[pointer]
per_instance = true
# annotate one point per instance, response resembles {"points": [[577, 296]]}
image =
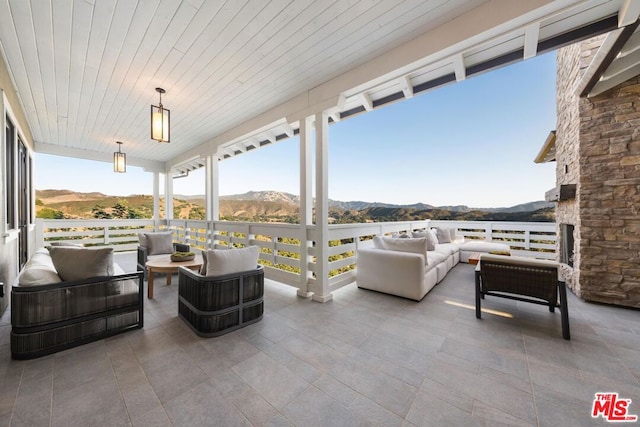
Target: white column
{"points": [[212, 188], [306, 206], [321, 288], [212, 196], [168, 195], [156, 201]]}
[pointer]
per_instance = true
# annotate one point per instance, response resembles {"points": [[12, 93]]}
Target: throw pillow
{"points": [[432, 240], [228, 261], [203, 268], [378, 243], [444, 236], [160, 243], [142, 239], [39, 270], [452, 234], [417, 246], [82, 263]]}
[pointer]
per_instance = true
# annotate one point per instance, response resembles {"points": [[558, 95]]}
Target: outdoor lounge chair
{"points": [[522, 279]]}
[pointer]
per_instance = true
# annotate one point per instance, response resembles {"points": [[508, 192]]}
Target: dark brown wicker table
{"points": [[165, 265]]}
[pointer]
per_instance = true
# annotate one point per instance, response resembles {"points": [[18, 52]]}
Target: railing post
{"points": [[489, 232], [306, 208], [527, 239], [106, 234], [39, 232]]}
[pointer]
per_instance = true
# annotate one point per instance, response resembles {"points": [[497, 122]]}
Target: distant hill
{"points": [[271, 206]]}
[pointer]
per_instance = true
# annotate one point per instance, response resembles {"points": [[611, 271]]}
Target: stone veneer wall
{"points": [[598, 140]]}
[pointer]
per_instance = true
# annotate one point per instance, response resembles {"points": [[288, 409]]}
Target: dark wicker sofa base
{"points": [[50, 318], [214, 306]]}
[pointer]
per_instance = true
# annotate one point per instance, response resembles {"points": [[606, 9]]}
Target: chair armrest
{"points": [[181, 247], [142, 255]]}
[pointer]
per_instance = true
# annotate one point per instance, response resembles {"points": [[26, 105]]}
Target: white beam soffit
{"points": [[548, 151], [86, 72]]}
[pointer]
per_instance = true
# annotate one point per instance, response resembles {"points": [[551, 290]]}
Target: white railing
{"points": [[283, 246]]}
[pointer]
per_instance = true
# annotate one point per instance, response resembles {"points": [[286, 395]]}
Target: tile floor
{"points": [[362, 359]]}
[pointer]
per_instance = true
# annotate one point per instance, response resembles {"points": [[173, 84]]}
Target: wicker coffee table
{"points": [[165, 265]]}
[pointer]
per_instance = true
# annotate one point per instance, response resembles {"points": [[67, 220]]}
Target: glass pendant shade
{"points": [[160, 119], [119, 160]]}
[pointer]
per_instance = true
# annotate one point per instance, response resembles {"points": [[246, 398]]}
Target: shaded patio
{"points": [[364, 358]]}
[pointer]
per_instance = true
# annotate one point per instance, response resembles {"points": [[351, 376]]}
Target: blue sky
{"points": [[470, 143]]}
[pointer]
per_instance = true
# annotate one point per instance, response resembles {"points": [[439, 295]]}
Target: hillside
{"points": [[270, 206]]}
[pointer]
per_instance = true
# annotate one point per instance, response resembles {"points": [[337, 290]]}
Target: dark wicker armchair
{"points": [[522, 279], [216, 305]]}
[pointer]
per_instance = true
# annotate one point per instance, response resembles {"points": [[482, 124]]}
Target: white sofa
{"points": [[406, 274]]}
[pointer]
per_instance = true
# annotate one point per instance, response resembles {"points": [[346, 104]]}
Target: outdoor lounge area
{"points": [[319, 334], [364, 358]]}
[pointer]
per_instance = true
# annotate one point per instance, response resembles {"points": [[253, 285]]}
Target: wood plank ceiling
{"points": [[86, 70]]}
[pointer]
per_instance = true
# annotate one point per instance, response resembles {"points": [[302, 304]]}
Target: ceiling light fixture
{"points": [[119, 160], [160, 120]]}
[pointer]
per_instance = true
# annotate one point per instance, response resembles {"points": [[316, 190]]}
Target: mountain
{"points": [[271, 206]]}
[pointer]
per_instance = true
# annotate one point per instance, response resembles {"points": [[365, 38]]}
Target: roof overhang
{"points": [[548, 151]]}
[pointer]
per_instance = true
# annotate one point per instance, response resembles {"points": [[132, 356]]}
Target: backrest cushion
{"points": [[418, 246], [229, 261], [432, 240], [203, 268], [159, 243], [444, 235], [39, 270], [82, 263], [75, 245], [378, 243], [452, 234], [142, 239]]}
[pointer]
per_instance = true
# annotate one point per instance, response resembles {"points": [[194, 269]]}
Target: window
{"points": [[10, 175]]}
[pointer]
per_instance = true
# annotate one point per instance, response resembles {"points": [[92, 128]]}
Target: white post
{"points": [[306, 206], [321, 288], [212, 188], [156, 201], [168, 196]]}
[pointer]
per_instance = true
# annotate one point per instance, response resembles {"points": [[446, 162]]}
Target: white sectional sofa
{"points": [[400, 266]]}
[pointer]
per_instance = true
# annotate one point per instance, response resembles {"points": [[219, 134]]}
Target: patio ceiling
{"points": [[241, 74]]}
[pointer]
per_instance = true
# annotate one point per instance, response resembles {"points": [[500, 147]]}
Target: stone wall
{"points": [[569, 73], [598, 148], [610, 189]]}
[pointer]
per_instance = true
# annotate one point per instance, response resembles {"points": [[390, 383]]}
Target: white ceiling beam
{"points": [[631, 46], [605, 85], [335, 116], [238, 147], [621, 65], [407, 87], [628, 13], [342, 99], [531, 37], [459, 67], [79, 153], [288, 130], [366, 101]]}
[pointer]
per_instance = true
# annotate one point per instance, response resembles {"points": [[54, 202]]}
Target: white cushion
{"points": [[229, 261], [159, 243], [142, 239], [39, 270], [417, 246], [436, 257], [378, 243], [484, 246], [432, 240], [447, 248], [82, 263]]}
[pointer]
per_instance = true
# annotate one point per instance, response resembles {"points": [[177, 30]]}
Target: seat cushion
{"points": [[435, 257], [447, 248]]}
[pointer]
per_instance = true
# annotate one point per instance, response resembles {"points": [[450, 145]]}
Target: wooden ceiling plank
{"points": [[17, 67], [62, 16]]}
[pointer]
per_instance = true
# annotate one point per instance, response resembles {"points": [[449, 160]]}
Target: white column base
{"points": [[322, 298], [304, 294]]}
